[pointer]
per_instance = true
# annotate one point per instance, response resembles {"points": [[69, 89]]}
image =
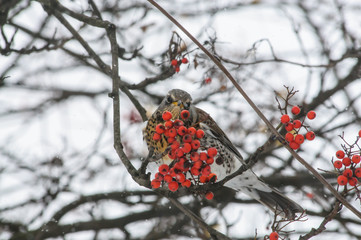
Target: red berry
{"points": [[207, 80], [295, 110], [166, 133], [179, 152], [337, 164], [163, 169], [289, 127], [182, 130], [172, 132], [180, 177], [356, 158], [294, 145], [172, 155], [187, 138], [159, 176], [177, 69], [156, 137], [209, 195], [346, 161], [311, 115], [289, 137], [347, 173], [196, 144], [210, 160], [168, 178], [175, 145], [174, 62], [181, 161], [342, 180], [160, 128], [359, 133], [172, 172], [186, 183], [310, 195], [178, 123], [358, 172], [173, 186], [285, 118], [340, 154], [168, 124], [167, 116], [297, 123], [179, 166], [203, 179], [185, 114], [212, 177], [352, 181], [195, 171], [184, 60], [192, 131], [212, 152], [310, 135], [203, 156], [299, 138], [170, 139], [155, 183], [206, 170], [200, 133], [198, 164], [194, 156], [273, 236], [187, 147], [187, 164]]}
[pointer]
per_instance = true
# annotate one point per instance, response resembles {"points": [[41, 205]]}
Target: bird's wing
{"points": [[207, 121], [247, 182]]}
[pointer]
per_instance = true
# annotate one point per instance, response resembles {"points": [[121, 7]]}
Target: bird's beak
{"points": [[179, 103]]}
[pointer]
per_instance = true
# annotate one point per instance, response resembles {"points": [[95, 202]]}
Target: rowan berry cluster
{"points": [[191, 162], [176, 63], [348, 164], [294, 126]]}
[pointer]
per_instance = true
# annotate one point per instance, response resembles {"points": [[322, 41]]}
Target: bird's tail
{"points": [[279, 203], [254, 187]]}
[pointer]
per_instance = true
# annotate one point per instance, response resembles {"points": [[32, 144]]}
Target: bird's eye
{"points": [[187, 105], [169, 99]]}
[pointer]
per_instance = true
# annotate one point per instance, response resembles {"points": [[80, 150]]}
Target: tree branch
{"points": [[337, 207]]}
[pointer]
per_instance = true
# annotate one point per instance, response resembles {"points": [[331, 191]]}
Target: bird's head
{"points": [[175, 101]]}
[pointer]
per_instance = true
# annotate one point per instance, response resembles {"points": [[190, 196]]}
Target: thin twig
{"points": [[337, 207], [111, 31]]}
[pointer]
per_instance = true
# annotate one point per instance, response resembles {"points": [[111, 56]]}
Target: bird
{"points": [[229, 158]]}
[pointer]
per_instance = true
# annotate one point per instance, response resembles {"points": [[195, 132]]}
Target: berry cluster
{"points": [[176, 63], [293, 127], [348, 160], [191, 162]]}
